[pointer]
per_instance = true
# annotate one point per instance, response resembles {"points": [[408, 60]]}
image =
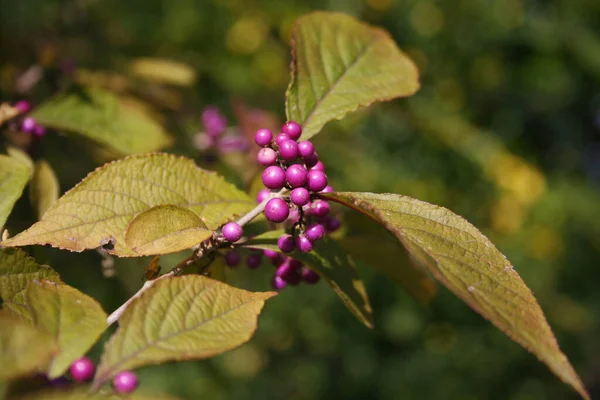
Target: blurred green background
{"points": [[505, 131]]}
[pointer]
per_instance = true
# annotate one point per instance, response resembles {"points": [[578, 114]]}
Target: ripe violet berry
{"points": [[332, 224], [253, 261], [304, 244], [263, 137], [328, 189], [311, 161], [300, 196], [288, 150], [293, 129], [286, 243], [22, 106], [296, 175], [277, 210], [278, 283], [28, 125], [273, 177], [320, 208], [266, 156], [316, 181], [262, 195], [309, 275], [319, 166], [232, 232], [39, 131], [306, 149], [125, 382], [82, 369], [213, 121], [315, 231], [282, 137], [233, 258]]}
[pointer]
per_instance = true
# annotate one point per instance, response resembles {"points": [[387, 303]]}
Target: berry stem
{"points": [[259, 208]]}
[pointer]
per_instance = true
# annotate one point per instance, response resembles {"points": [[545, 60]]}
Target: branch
{"points": [[198, 253]]}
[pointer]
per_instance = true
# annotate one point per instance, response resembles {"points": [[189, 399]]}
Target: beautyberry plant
{"points": [[152, 204]]}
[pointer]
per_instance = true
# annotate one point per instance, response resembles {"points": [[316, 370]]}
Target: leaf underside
{"points": [[98, 210], [468, 264], [14, 175], [181, 318], [340, 64]]}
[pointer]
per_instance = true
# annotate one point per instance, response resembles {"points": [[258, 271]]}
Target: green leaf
{"points": [[99, 209], [340, 64], [44, 190], [162, 70], [336, 266], [468, 264], [391, 260], [182, 318], [103, 117], [74, 319], [14, 175], [17, 270], [23, 349], [165, 229]]}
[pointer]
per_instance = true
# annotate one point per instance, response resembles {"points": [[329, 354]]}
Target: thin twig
{"points": [[199, 252]]}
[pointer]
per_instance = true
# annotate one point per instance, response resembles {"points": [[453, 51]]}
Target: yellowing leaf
{"points": [[163, 71], [44, 190], [340, 64], [336, 266], [74, 319], [390, 259], [165, 229], [181, 318], [99, 209], [14, 175], [103, 117], [468, 264], [23, 349], [17, 270]]}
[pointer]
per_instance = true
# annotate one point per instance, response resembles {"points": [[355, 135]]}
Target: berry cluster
{"points": [[82, 370], [28, 124], [216, 135], [294, 166]]}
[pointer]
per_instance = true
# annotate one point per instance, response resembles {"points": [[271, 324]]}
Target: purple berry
{"points": [[316, 180], [288, 150], [309, 275], [294, 215], [289, 273], [328, 189], [253, 261], [300, 196], [303, 243], [266, 156], [233, 258], [320, 208], [282, 137], [332, 224], [213, 121], [296, 175], [295, 263], [315, 231], [82, 369], [22, 106], [306, 149], [271, 254], [262, 195], [277, 210], [125, 382], [28, 124], [293, 129], [39, 131], [311, 160], [232, 143], [273, 177], [278, 283], [263, 137], [286, 243], [319, 166], [232, 232]]}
